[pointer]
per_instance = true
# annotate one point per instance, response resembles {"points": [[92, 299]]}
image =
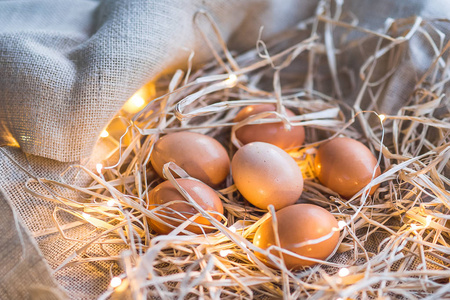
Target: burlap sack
{"points": [[68, 66]]}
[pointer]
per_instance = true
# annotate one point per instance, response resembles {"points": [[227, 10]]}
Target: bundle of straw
{"points": [[334, 75]]}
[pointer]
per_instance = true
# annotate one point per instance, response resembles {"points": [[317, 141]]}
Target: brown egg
{"points": [[165, 192], [199, 155], [345, 166], [265, 174], [272, 133], [298, 224]]}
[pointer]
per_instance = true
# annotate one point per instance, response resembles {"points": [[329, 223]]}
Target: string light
{"points": [[231, 81], [110, 203], [428, 221], [104, 134], [115, 282], [86, 216], [341, 224], [343, 272], [137, 101], [414, 226], [134, 104], [99, 168], [382, 117], [225, 253], [233, 229]]}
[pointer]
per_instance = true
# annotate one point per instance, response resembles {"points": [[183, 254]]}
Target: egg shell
{"points": [[272, 133], [297, 224], [201, 156], [345, 166], [165, 192], [265, 174]]}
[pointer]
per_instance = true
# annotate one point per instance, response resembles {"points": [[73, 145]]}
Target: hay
{"points": [[393, 244]]}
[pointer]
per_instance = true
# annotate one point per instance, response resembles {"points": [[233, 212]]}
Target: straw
{"points": [[394, 243]]}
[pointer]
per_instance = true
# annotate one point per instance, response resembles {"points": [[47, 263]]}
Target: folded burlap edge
{"points": [[24, 273]]}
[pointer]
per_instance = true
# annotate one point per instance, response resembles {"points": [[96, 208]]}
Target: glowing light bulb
{"points": [[382, 117], [225, 253], [428, 221], [233, 229], [99, 168], [104, 134], [343, 272], [414, 226], [86, 216], [137, 101], [341, 224], [231, 81], [134, 104], [115, 282], [110, 203]]}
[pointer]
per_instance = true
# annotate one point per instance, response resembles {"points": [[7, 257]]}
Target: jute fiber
{"points": [[68, 66]]}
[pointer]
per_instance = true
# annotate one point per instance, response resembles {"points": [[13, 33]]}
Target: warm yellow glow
{"points": [[134, 104], [115, 282], [231, 81], [428, 221], [414, 226], [104, 134], [110, 203], [99, 168], [341, 224], [233, 229], [343, 272], [382, 117], [225, 253], [86, 216], [137, 101]]}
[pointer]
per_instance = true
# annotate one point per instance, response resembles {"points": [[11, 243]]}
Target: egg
{"points": [[265, 174], [199, 155], [165, 192], [298, 224], [272, 133], [345, 166]]}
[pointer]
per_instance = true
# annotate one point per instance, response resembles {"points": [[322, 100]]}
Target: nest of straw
{"points": [[392, 244]]}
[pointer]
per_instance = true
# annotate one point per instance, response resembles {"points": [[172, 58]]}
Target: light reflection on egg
{"points": [[298, 224], [345, 166], [178, 212], [199, 155], [272, 133], [265, 174]]}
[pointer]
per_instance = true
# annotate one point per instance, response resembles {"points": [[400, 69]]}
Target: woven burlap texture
{"points": [[21, 261], [68, 66]]}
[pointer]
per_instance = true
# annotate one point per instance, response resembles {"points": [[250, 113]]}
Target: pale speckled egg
{"points": [[298, 224], [265, 174], [345, 166], [201, 156], [272, 133], [202, 194]]}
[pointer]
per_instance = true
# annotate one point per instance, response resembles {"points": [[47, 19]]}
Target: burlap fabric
{"points": [[68, 66]]}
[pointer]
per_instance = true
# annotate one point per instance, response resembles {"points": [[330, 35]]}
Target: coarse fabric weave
{"points": [[21, 261], [66, 69], [68, 66]]}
